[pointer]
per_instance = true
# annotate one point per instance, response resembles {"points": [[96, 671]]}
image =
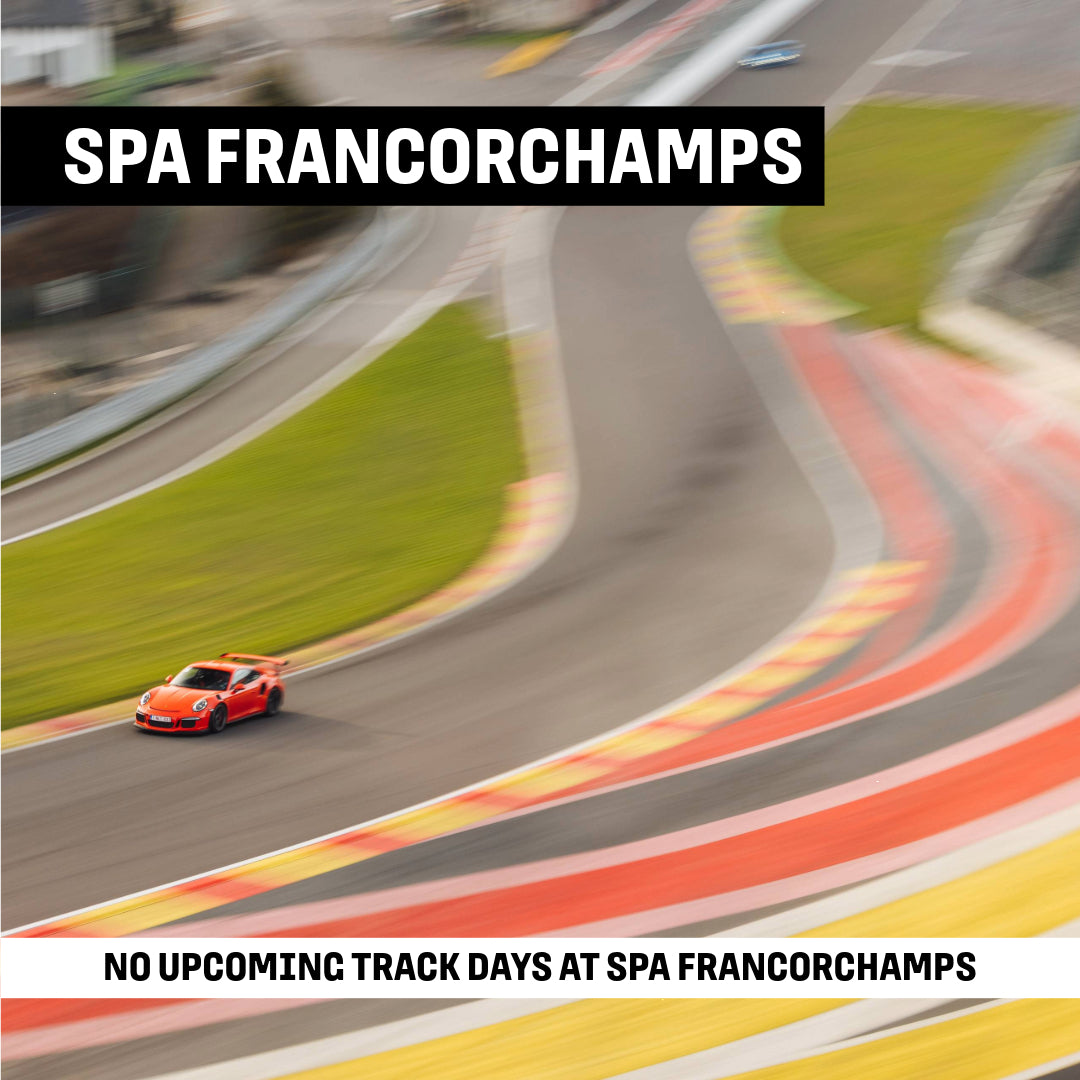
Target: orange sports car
{"points": [[207, 697]]}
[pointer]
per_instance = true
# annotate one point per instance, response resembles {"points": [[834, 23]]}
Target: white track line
{"points": [[614, 18], [1047, 1069], [866, 78]]}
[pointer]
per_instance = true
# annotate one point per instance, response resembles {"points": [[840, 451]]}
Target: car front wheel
{"points": [[218, 719]]}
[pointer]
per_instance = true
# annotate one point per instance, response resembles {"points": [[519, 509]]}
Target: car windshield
{"points": [[202, 678]]}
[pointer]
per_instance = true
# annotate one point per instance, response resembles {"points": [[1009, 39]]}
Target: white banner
{"points": [[540, 968]]}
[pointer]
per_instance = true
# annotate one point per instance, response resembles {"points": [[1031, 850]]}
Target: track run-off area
{"points": [[863, 553]]}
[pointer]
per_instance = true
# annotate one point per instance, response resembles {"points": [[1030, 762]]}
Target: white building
{"points": [[55, 41]]}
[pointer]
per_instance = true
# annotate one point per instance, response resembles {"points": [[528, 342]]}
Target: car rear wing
{"points": [[276, 661]]}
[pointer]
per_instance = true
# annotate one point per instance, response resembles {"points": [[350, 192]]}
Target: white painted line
{"points": [[919, 58], [517, 331], [262, 43], [784, 1044], [258, 59], [614, 18], [900, 1029], [218, 94], [161, 354], [870, 75], [589, 87], [1047, 1069]]}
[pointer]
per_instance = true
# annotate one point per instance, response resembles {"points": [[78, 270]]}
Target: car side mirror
{"points": [[168, 678]]}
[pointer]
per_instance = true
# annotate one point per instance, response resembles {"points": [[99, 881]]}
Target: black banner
{"points": [[450, 156]]}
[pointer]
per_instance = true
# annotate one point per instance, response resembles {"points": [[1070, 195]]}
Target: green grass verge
{"points": [[364, 502], [134, 77], [898, 178]]}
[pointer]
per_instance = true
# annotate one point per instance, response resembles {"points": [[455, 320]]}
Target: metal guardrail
{"points": [[113, 415]]}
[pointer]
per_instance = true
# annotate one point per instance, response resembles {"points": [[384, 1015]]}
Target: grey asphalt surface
{"points": [[697, 539], [998, 50], [269, 377]]}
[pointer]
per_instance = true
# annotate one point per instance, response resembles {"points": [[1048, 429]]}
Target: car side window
{"points": [[244, 676]]}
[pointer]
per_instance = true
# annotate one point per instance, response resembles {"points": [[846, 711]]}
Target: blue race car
{"points": [[772, 55]]}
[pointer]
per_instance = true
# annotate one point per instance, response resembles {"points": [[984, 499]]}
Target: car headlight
{"points": [[145, 698], [199, 705]]}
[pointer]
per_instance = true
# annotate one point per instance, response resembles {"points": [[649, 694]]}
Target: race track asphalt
{"points": [[694, 520]]}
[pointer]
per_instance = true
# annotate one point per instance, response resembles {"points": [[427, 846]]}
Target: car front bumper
{"points": [[177, 725]]}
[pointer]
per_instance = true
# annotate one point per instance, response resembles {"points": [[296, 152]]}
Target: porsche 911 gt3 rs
{"points": [[206, 697]]}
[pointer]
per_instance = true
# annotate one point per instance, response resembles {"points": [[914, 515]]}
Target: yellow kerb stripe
{"points": [[987, 1045], [588, 1040]]}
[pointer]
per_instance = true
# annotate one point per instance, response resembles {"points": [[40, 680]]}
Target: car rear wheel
{"points": [[273, 702], [218, 719]]}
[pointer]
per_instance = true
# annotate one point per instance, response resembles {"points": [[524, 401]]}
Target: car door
{"points": [[244, 694]]}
